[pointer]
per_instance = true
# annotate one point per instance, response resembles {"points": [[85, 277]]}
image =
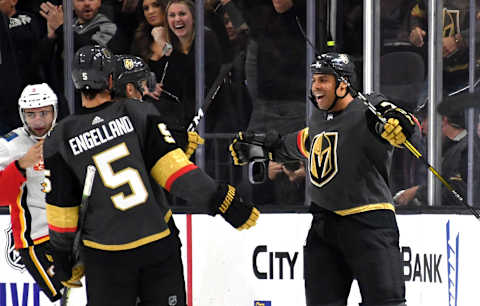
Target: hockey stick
{"points": [[212, 93], [87, 190], [459, 198]]}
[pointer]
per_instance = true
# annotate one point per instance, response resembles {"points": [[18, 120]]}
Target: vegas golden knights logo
{"points": [[323, 158], [128, 64]]}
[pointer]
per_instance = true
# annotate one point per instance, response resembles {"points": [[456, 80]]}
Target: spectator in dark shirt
{"points": [[19, 63], [181, 34], [454, 157], [278, 80], [89, 28], [455, 42], [280, 103]]}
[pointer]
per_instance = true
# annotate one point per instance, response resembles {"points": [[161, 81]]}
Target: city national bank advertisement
{"points": [[263, 266]]}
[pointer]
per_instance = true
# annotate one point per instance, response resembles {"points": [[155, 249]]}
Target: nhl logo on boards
{"points": [[172, 300], [13, 257], [128, 63]]}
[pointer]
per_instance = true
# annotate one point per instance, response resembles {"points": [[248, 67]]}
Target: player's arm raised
{"points": [[399, 126]]}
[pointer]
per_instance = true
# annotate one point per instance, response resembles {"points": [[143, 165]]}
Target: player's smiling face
{"points": [[323, 89], [180, 20]]}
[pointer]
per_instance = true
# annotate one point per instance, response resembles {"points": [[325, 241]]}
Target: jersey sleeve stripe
{"points": [[41, 270], [178, 174], [170, 167], [62, 219], [302, 137], [41, 239], [167, 216], [19, 227], [62, 229]]}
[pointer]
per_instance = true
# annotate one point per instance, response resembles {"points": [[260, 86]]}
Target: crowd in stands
{"points": [[265, 87]]}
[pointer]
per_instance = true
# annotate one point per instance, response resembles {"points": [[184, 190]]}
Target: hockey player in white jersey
{"points": [[22, 180]]}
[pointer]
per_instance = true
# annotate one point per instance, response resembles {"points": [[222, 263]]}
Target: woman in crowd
{"points": [[150, 43], [180, 20]]}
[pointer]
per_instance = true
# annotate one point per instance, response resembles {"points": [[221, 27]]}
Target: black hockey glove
{"points": [[66, 271], [239, 213], [399, 127], [250, 146]]}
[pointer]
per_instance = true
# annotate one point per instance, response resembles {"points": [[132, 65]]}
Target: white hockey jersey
{"points": [[25, 198]]}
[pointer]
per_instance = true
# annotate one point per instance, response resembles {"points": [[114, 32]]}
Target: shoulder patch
{"points": [[10, 136]]}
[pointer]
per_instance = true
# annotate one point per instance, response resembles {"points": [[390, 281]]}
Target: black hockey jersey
{"points": [[348, 165], [134, 153]]}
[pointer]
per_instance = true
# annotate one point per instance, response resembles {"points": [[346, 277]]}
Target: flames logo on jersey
{"points": [[13, 257], [323, 158], [39, 167]]}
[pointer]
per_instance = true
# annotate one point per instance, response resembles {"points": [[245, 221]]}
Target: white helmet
{"points": [[33, 96]]}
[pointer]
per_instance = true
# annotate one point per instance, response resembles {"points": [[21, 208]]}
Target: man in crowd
{"points": [[454, 156]]}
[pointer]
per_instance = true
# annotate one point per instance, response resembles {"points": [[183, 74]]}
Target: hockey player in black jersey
{"points": [[133, 79], [354, 233], [129, 250]]}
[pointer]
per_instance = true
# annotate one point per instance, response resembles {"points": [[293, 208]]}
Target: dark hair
{"points": [[91, 93], [171, 36], [143, 34]]}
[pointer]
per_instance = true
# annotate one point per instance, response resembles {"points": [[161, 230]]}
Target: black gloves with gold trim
{"points": [[399, 127], [249, 146], [234, 209]]}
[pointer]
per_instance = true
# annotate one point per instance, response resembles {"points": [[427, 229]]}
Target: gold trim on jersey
{"points": [[41, 240], [127, 246], [302, 138], [364, 208], [41, 271], [168, 215], [168, 165], [62, 218]]}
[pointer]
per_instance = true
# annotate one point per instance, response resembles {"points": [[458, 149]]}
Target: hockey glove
{"points": [[239, 213], [250, 146], [66, 271], [78, 271], [399, 127], [194, 140], [63, 264]]}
